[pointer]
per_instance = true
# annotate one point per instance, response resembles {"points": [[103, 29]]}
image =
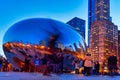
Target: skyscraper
{"points": [[103, 40], [97, 10], [119, 47], [103, 33], [79, 25]]}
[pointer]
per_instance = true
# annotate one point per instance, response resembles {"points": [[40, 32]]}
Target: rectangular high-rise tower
{"points": [[79, 25], [103, 34], [97, 10], [103, 40]]}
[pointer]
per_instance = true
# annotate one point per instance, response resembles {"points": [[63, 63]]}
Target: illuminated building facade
{"points": [[79, 25], [97, 10], [119, 46], [103, 40]]}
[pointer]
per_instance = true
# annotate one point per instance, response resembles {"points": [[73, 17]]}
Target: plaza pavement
{"points": [[39, 76]]}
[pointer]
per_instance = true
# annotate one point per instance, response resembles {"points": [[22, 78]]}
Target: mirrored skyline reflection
{"points": [[36, 29]]}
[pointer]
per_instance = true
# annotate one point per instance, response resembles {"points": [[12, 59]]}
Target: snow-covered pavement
{"points": [[38, 76]]}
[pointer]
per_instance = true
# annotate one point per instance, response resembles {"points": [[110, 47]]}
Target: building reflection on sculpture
{"points": [[16, 51]]}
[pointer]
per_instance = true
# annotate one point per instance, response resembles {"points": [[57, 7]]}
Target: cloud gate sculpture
{"points": [[39, 36]]}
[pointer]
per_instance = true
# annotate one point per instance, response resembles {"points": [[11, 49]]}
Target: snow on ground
{"points": [[38, 76]]}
